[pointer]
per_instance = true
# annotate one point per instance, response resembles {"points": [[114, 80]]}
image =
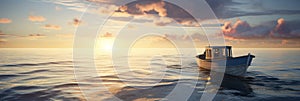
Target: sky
{"points": [[150, 23]]}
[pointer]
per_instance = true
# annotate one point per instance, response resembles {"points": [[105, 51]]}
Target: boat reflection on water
{"points": [[230, 85], [234, 84]]}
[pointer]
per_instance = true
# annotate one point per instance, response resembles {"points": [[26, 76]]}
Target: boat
{"points": [[217, 58]]}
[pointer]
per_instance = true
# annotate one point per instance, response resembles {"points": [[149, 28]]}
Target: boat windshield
{"points": [[217, 53]]}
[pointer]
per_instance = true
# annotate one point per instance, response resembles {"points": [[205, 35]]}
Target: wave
{"points": [[66, 85], [37, 93], [8, 76], [35, 64], [35, 71]]}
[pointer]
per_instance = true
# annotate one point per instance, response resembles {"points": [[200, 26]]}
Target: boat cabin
{"points": [[218, 52]]}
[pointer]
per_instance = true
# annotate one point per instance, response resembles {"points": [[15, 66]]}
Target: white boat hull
{"points": [[233, 66]]}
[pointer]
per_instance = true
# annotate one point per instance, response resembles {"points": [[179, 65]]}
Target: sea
{"points": [[50, 74]]}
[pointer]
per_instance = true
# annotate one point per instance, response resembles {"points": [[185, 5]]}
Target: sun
{"points": [[106, 44]]}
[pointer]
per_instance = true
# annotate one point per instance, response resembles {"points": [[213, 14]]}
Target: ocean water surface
{"points": [[151, 74]]}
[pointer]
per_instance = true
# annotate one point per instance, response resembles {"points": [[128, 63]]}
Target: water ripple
{"points": [[35, 64]]}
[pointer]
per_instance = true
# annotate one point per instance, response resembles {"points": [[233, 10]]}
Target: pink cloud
{"points": [[281, 29], [238, 27], [36, 18], [5, 20], [53, 27], [156, 6]]}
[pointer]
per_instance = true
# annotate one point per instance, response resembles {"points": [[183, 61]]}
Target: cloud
{"points": [[284, 29], [162, 21], [106, 9], [2, 39], [153, 6], [5, 37], [121, 15], [188, 22], [284, 42], [235, 8], [107, 35], [102, 1], [28, 37], [144, 7], [222, 8], [68, 3], [58, 8], [36, 18], [280, 29], [1, 33], [70, 35], [5, 20], [53, 27], [34, 36], [76, 22], [134, 9], [160, 12], [95, 6], [238, 27], [76, 5]]}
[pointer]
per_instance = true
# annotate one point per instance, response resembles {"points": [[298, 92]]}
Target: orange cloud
{"points": [[281, 27], [3, 40], [284, 42], [53, 27], [156, 6], [189, 22], [36, 18], [107, 35], [5, 20], [123, 8], [227, 28]]}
